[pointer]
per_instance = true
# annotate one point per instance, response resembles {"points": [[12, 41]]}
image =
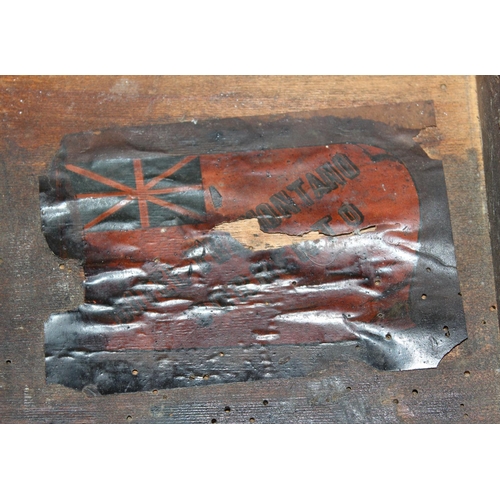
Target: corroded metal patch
{"points": [[235, 250]]}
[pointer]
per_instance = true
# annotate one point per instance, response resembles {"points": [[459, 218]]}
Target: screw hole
{"points": [[493, 308], [467, 373], [424, 296], [348, 388], [61, 266], [129, 417], [294, 283], [462, 405], [483, 322], [395, 401], [221, 354], [252, 420], [428, 269], [377, 282], [227, 409], [414, 392], [388, 336], [135, 373], [8, 362], [155, 391], [265, 402], [214, 420]]}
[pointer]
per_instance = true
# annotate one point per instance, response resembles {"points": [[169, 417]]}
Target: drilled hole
{"points": [[348, 388], [221, 354], [414, 392], [388, 336], [8, 362], [395, 401], [252, 420], [214, 420], [424, 296], [483, 322], [129, 417], [377, 282], [61, 266], [467, 373], [462, 405], [227, 409], [493, 308], [428, 269], [446, 331], [155, 391], [357, 346], [265, 402], [466, 415], [135, 373], [294, 283]]}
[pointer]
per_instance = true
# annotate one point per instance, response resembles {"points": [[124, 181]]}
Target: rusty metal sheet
{"points": [[241, 249]]}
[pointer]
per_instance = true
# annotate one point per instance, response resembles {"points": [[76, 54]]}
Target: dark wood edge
{"points": [[488, 88]]}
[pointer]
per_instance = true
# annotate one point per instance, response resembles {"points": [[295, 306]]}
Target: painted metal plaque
{"points": [[243, 249]]}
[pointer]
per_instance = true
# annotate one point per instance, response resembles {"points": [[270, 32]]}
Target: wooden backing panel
{"points": [[38, 111]]}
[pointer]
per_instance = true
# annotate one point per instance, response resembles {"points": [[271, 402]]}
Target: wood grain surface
{"points": [[38, 111]]}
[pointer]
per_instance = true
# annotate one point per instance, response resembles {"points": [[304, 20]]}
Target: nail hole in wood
{"points": [[265, 402], [414, 392], [227, 409], [467, 373], [252, 420], [135, 373], [214, 420]]}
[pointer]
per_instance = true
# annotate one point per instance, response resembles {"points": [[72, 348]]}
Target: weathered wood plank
{"points": [[38, 111]]}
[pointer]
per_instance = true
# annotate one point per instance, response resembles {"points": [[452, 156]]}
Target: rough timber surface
{"points": [[38, 111]]}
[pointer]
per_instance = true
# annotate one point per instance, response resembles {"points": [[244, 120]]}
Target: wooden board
{"points": [[38, 111]]}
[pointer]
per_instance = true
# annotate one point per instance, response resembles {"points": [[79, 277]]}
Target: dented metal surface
{"points": [[235, 250]]}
